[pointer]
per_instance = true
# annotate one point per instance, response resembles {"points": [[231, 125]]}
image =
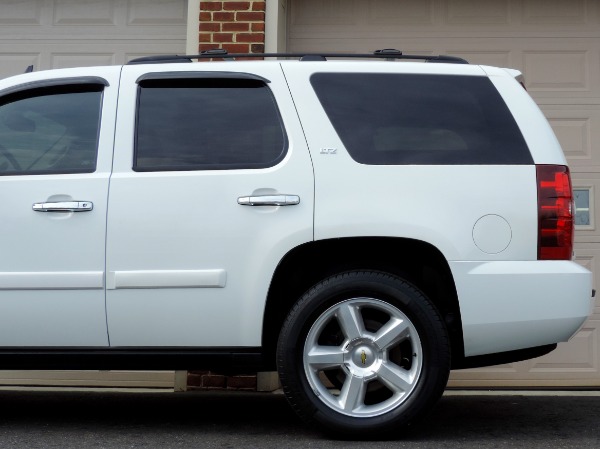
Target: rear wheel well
{"points": [[417, 262]]}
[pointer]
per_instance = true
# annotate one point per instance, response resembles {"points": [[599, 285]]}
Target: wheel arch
{"points": [[417, 262]]}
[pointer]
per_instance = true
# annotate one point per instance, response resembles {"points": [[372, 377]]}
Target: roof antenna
{"points": [[29, 69]]}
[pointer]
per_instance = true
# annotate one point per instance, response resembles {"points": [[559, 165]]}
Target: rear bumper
{"points": [[511, 305]]}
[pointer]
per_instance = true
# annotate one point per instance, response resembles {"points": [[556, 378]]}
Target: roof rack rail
{"points": [[160, 59], [387, 53]]}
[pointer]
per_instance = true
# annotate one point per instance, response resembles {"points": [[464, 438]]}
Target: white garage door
{"points": [[66, 33], [556, 43]]}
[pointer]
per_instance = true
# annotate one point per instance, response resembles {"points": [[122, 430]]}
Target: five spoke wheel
{"points": [[371, 348]]}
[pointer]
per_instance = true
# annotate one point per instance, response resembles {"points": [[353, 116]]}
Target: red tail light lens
{"points": [[555, 213]]}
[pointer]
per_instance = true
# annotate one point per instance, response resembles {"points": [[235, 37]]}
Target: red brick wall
{"points": [[208, 380], [238, 27]]}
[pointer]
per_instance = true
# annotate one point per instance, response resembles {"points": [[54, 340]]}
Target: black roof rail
{"points": [[160, 59], [387, 53]]}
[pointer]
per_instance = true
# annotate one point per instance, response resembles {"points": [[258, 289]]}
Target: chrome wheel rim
{"points": [[363, 357]]}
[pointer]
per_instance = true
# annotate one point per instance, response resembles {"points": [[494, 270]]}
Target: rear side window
{"points": [[395, 119], [50, 130], [207, 124]]}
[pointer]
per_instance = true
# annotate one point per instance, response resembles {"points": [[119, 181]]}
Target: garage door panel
{"points": [[324, 15], [76, 12], [13, 63], [555, 12], [120, 13], [392, 12], [576, 359], [588, 255], [18, 13], [482, 12], [577, 128], [160, 13], [551, 71], [580, 355], [589, 261], [62, 60]]}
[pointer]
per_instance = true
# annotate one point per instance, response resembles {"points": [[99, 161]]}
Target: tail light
{"points": [[555, 213]]}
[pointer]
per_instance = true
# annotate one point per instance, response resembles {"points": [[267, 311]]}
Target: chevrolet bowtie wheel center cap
{"points": [[363, 356]]}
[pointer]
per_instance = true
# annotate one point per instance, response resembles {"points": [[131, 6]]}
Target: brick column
{"points": [[238, 27]]}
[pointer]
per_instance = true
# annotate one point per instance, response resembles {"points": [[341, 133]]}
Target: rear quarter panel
{"points": [[438, 204]]}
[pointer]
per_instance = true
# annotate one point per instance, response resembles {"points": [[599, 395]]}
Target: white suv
{"points": [[363, 226]]}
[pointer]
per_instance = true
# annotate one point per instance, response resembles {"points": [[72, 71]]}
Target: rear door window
{"points": [[397, 119], [207, 124]]}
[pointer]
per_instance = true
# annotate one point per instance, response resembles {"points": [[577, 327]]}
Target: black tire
{"points": [[363, 354]]}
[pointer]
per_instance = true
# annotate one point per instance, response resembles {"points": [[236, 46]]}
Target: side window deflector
{"points": [[201, 75], [80, 80]]}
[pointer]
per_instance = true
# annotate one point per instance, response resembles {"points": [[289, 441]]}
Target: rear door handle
{"points": [[64, 206], [269, 200]]}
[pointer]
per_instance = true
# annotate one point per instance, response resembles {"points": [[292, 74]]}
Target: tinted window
{"points": [[50, 130], [195, 124], [421, 119]]}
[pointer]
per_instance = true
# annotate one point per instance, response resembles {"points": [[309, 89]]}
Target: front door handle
{"points": [[269, 200], [64, 206]]}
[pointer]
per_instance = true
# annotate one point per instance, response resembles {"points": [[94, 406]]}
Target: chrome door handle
{"points": [[64, 206], [269, 200]]}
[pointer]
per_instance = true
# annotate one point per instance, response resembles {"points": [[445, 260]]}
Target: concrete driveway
{"points": [[161, 419]]}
